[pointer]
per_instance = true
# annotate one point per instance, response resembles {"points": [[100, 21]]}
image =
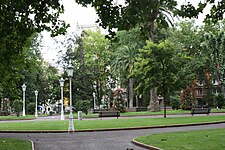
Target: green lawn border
{"points": [[164, 134], [111, 129], [23, 140], [126, 114]]}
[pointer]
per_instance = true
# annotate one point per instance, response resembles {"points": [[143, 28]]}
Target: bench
{"points": [[200, 111], [3, 113], [108, 114], [99, 110]]}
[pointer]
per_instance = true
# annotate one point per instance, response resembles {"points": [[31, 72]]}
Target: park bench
{"points": [[108, 114], [200, 111], [99, 110], [3, 113]]}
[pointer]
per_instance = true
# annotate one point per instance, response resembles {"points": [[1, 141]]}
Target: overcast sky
{"points": [[76, 14]]}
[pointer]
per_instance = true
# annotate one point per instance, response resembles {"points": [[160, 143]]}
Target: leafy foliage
{"points": [[220, 100], [30, 108], [134, 13], [17, 105]]}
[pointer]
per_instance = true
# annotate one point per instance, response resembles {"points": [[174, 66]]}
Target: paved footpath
{"points": [[102, 140]]}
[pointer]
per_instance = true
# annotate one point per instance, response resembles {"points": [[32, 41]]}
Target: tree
{"points": [[125, 49], [90, 56], [145, 12], [158, 66], [214, 46], [97, 58], [134, 13], [20, 20], [216, 13]]}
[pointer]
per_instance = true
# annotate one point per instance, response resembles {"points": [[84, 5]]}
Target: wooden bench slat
{"points": [[200, 111], [109, 114]]}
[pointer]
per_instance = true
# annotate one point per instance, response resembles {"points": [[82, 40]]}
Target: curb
{"points": [[118, 129], [144, 145], [32, 144]]}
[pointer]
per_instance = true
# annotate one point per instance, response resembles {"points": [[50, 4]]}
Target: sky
{"points": [[74, 14], [77, 15]]}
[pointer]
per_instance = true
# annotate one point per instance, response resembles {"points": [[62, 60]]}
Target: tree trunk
{"points": [[154, 102], [222, 90], [131, 92]]}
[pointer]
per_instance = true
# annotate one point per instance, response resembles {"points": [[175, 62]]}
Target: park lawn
{"points": [[14, 144], [142, 113], [107, 123], [212, 139], [146, 113], [27, 117]]}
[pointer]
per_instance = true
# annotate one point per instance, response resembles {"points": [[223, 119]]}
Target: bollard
{"points": [[79, 115]]}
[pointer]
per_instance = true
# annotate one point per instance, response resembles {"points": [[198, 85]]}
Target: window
{"points": [[214, 91], [200, 92]]}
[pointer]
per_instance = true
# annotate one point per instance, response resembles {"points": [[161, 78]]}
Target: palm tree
{"points": [[123, 64]]}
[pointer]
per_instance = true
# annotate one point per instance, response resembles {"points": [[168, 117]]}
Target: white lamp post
{"points": [[36, 95], [94, 100], [61, 82], [70, 75], [24, 90], [94, 94]]}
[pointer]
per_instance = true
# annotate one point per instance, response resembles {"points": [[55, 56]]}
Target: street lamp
{"points": [[24, 90], [94, 94], [70, 75], [36, 95], [61, 82], [94, 100]]}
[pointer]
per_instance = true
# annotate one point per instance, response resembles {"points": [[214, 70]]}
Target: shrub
{"points": [[220, 100], [175, 103], [31, 108], [119, 101], [83, 105], [17, 105]]}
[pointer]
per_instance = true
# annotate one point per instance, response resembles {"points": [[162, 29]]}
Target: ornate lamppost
{"points": [[61, 82], [24, 90], [94, 94], [70, 75], [36, 95]]}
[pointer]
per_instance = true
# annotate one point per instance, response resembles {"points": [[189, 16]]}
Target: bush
{"points": [[83, 105], [17, 105], [31, 108], [220, 100], [175, 103]]}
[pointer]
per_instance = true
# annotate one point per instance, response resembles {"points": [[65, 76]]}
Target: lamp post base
{"points": [[71, 125], [62, 117], [24, 113]]}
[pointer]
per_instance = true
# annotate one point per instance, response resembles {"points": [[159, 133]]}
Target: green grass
{"points": [[143, 113], [212, 139], [106, 123], [14, 144], [17, 118]]}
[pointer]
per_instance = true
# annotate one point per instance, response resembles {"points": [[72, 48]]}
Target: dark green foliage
{"points": [[216, 12], [135, 13], [17, 106], [83, 105], [20, 20], [30, 109], [220, 100], [175, 102]]}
